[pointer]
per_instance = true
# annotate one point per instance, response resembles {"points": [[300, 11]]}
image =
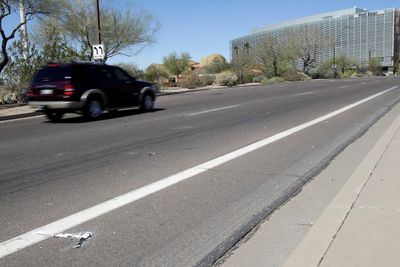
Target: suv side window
{"points": [[121, 75], [105, 75]]}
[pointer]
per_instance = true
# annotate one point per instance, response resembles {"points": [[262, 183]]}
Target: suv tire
{"points": [[147, 103], [54, 115], [93, 109]]}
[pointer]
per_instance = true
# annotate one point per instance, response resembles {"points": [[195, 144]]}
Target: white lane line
{"points": [[211, 110], [17, 243], [306, 93], [343, 86]]}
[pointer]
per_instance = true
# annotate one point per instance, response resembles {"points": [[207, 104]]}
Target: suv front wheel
{"points": [[147, 103], [93, 109]]}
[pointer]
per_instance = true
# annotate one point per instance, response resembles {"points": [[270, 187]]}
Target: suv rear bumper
{"points": [[56, 104]]}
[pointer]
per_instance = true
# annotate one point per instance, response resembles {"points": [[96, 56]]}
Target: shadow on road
{"points": [[106, 116]]}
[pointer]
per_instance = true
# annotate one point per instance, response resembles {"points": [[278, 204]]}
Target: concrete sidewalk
{"points": [[359, 226]]}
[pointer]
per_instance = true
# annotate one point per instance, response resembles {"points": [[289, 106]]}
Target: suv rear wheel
{"points": [[93, 109], [54, 115]]}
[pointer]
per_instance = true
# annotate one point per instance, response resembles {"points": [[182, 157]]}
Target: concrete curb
{"points": [[313, 248], [20, 116]]}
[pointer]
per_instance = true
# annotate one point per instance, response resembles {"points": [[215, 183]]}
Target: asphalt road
{"points": [[52, 170]]}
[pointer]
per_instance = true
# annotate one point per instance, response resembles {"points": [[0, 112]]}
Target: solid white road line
{"points": [[50, 230], [211, 110]]}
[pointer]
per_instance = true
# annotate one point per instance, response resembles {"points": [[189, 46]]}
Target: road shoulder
{"points": [[272, 243]]}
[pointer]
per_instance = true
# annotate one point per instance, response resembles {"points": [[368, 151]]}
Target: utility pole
{"points": [[24, 33], [98, 22]]}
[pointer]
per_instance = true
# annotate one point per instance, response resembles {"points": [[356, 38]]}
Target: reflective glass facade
{"points": [[355, 33]]}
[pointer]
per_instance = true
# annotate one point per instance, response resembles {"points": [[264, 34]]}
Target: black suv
{"points": [[88, 88]]}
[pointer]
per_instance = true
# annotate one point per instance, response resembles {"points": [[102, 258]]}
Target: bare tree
{"points": [[9, 8], [123, 32], [309, 50], [271, 55], [308, 56]]}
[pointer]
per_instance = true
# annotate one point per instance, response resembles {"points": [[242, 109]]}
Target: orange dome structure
{"points": [[212, 58]]}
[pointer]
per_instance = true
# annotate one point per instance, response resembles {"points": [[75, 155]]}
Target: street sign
{"points": [[99, 51]]}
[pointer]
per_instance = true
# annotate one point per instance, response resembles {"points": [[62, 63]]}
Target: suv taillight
{"points": [[68, 89], [30, 92]]}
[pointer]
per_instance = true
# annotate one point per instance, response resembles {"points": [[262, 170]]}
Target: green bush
{"points": [[226, 78], [272, 80]]}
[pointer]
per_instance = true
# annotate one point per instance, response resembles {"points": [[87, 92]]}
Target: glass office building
{"points": [[356, 33]]}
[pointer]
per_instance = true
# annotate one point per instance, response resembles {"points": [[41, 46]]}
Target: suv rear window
{"points": [[53, 74]]}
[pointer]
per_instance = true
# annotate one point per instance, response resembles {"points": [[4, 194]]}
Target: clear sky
{"points": [[204, 27]]}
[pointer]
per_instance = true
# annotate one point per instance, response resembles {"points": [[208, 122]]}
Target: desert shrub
{"points": [[272, 80], [207, 79], [190, 80], [324, 73], [247, 77], [314, 74], [347, 74], [216, 67], [7, 97], [357, 75], [304, 77], [227, 78], [158, 75], [259, 78], [294, 75]]}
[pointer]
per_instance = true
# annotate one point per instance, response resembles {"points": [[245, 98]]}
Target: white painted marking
{"points": [[343, 86], [30, 238], [212, 110], [21, 119], [85, 235], [306, 93]]}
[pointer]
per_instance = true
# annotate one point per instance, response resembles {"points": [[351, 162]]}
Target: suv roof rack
{"points": [[88, 62]]}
